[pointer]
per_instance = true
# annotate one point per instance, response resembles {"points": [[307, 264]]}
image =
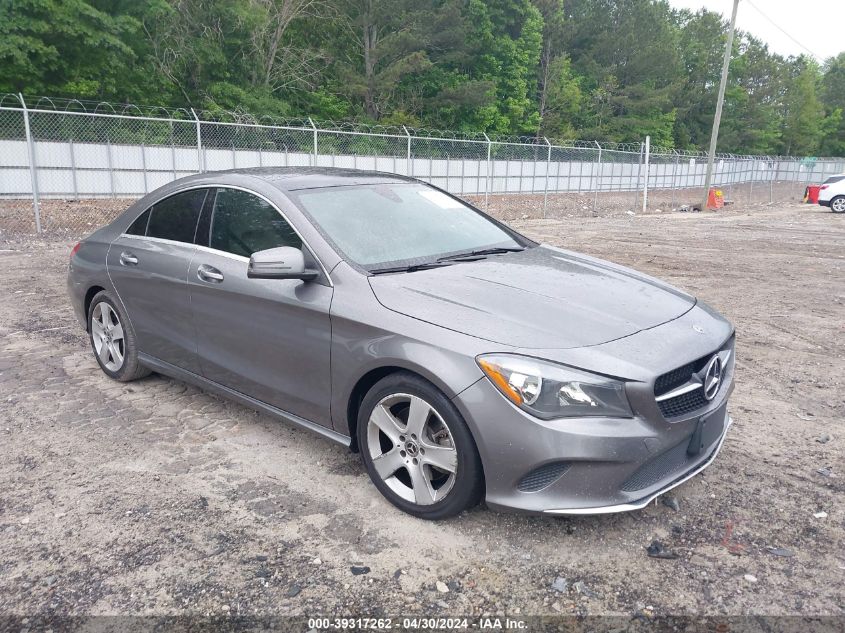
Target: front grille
{"points": [[685, 403], [675, 459], [677, 377], [542, 477], [690, 401]]}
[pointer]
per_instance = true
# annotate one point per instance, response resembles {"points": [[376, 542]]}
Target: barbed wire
{"points": [[243, 117]]}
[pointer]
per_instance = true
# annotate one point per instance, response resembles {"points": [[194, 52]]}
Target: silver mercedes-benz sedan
{"points": [[461, 359]]}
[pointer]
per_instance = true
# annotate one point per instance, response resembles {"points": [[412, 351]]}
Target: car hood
{"points": [[542, 297]]}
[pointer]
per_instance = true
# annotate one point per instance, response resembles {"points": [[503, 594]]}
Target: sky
{"points": [[815, 24]]}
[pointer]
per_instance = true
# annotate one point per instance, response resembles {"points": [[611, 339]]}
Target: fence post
{"points": [[751, 181], [598, 164], [674, 172], [73, 170], [637, 184], [408, 155], [770, 164], [33, 173], [144, 166], [200, 166], [548, 166], [732, 164], [314, 127], [111, 166], [173, 149], [487, 173], [645, 181]]}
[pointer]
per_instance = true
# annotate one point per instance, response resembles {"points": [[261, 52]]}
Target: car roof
{"points": [[295, 178]]}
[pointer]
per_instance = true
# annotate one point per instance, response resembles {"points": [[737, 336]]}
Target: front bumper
{"points": [[584, 465], [642, 503]]}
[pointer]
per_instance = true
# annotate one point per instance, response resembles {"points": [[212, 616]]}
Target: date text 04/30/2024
{"points": [[416, 623]]}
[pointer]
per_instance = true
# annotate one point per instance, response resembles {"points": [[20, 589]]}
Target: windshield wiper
{"points": [[408, 269], [480, 253]]}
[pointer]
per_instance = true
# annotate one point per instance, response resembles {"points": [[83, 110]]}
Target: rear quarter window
{"points": [[833, 179], [139, 226], [175, 218]]}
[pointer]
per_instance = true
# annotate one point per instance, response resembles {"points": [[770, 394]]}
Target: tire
{"points": [[417, 448], [113, 340], [837, 204]]}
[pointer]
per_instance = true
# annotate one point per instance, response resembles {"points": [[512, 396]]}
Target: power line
{"points": [[779, 28]]}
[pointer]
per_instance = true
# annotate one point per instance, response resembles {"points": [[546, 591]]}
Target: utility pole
{"points": [[714, 135]]}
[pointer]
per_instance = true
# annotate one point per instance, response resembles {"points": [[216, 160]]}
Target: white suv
{"points": [[832, 193]]}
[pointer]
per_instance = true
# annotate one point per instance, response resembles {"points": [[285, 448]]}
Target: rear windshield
{"points": [[399, 223]]}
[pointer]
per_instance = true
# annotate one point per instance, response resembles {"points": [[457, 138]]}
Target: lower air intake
{"points": [[542, 477]]}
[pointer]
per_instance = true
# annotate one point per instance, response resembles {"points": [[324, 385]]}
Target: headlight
{"points": [[548, 390]]}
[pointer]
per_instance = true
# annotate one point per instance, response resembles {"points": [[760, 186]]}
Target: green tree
{"points": [[563, 101], [752, 121], [63, 48], [833, 98], [507, 37], [627, 51], [803, 111], [612, 70]]}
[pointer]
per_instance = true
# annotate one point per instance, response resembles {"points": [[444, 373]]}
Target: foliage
{"points": [[613, 70]]}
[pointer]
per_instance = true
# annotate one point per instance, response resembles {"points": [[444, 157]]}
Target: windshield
{"points": [[399, 223]]}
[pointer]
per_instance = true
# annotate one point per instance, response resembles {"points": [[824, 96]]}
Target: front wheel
{"points": [[837, 205], [417, 449], [113, 339]]}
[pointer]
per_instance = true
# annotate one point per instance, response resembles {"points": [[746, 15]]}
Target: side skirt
{"points": [[208, 385]]}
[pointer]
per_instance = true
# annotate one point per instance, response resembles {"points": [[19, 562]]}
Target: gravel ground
{"points": [[154, 498]]}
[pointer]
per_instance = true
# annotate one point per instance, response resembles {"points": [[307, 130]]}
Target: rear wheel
{"points": [[113, 340], [837, 205], [417, 449]]}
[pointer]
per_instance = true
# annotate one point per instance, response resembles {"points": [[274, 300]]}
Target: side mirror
{"points": [[284, 262]]}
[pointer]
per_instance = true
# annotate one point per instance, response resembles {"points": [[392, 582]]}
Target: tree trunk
{"points": [[370, 41], [545, 63]]}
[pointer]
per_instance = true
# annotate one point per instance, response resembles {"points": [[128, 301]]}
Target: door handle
{"points": [[209, 273], [128, 259]]}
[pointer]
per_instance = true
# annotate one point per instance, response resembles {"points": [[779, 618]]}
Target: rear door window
{"points": [[175, 218], [243, 224]]}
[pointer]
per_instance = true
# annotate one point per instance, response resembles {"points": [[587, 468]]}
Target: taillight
{"points": [[75, 249], [823, 187]]}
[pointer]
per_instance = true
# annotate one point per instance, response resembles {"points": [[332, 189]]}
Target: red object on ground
{"points": [[811, 194], [715, 199]]}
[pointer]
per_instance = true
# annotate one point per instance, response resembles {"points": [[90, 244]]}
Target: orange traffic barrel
{"points": [[811, 194], [715, 199]]}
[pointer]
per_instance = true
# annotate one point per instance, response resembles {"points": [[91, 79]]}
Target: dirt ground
{"points": [[155, 498]]}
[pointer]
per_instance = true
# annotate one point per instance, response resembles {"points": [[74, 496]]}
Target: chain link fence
{"points": [[69, 166]]}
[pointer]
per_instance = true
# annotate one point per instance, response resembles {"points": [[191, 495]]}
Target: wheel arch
{"points": [[359, 392], [371, 377], [89, 297]]}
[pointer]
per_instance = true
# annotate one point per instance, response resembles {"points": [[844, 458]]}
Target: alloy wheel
{"points": [[412, 449], [107, 335], [838, 205]]}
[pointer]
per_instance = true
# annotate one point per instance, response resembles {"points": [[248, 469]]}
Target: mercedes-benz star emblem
{"points": [[712, 377]]}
